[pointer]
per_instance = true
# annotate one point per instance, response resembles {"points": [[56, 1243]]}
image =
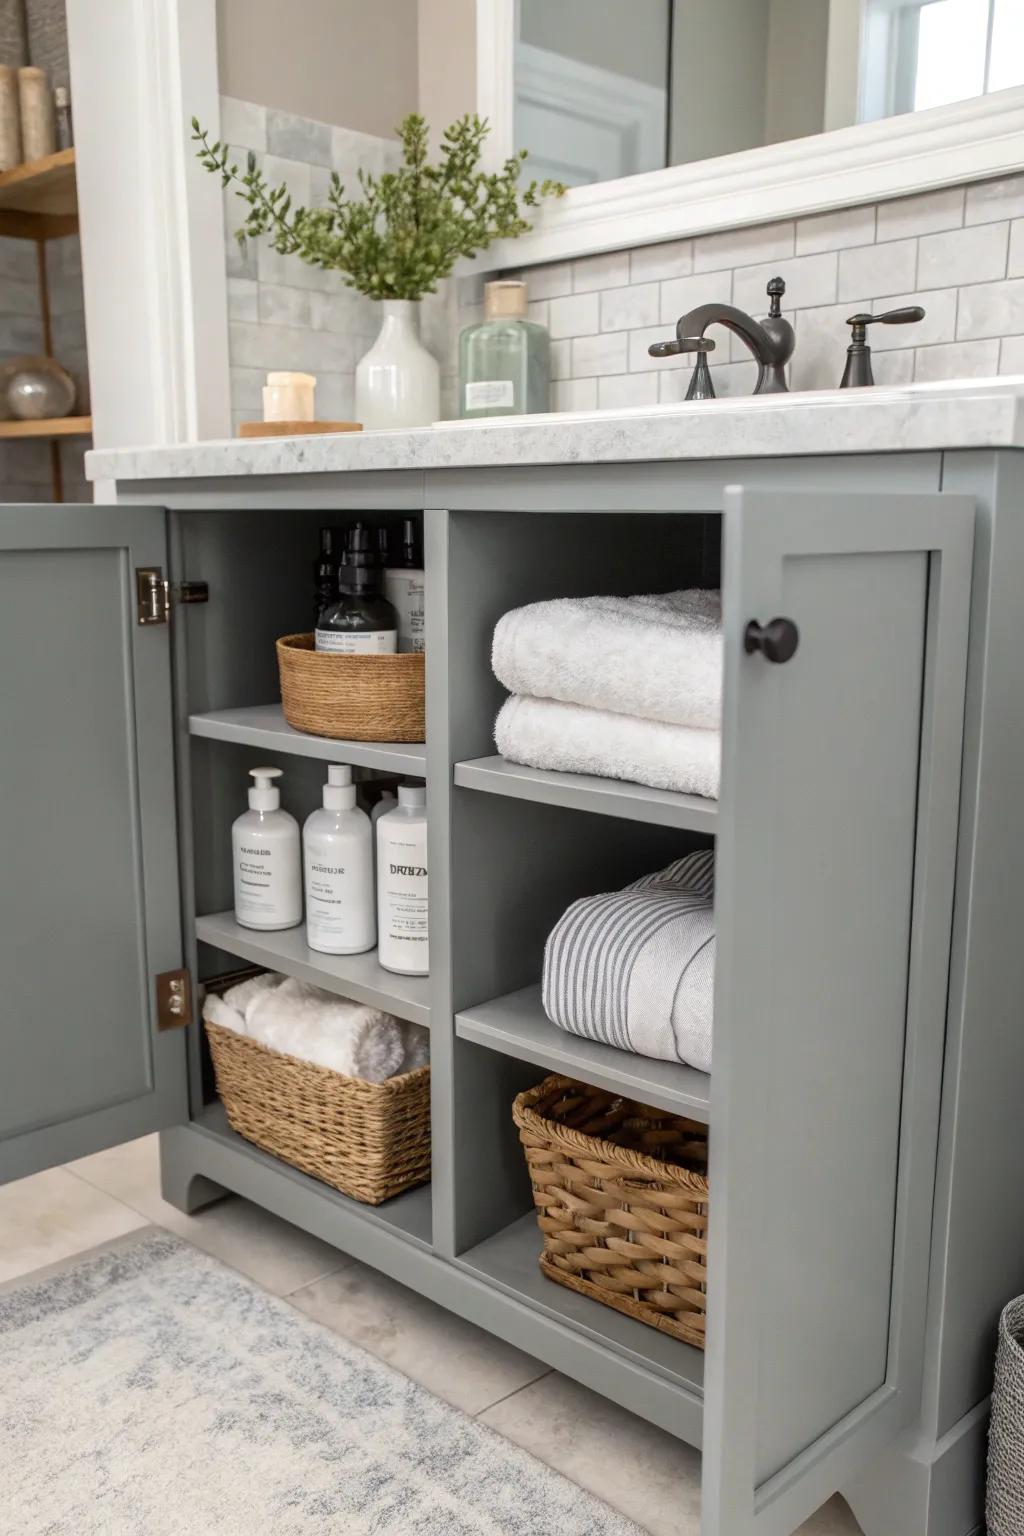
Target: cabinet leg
{"points": [[926, 1487], [180, 1184]]}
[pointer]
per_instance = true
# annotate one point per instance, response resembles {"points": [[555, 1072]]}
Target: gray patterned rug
{"points": [[150, 1391]]}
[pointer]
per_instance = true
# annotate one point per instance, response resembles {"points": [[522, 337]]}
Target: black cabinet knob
{"points": [[777, 640]]}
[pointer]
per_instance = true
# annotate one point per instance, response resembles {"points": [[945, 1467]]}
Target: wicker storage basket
{"points": [[1004, 1500], [622, 1200], [370, 1140], [351, 698]]}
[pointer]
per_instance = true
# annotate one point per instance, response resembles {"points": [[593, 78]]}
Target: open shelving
{"points": [[408, 1215], [508, 1260], [358, 977], [44, 189], [587, 792], [264, 725], [39, 201], [51, 426], [518, 1026]]}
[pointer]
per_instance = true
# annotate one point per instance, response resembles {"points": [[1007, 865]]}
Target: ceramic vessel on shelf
{"points": [[35, 389], [398, 382]]}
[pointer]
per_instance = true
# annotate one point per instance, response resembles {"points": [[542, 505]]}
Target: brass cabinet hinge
{"points": [[173, 999], [154, 594]]}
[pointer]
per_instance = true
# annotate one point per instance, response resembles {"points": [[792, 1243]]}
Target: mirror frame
{"points": [[869, 162]]}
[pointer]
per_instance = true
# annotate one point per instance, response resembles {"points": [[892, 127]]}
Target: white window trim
{"points": [[967, 141], [152, 220]]}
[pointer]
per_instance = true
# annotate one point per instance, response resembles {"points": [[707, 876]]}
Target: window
{"points": [[928, 53]]}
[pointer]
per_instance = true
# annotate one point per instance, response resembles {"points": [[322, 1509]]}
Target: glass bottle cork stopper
{"points": [[505, 300]]}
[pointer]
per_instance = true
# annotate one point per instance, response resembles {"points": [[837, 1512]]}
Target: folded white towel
{"points": [[543, 733], [330, 1031], [657, 657]]}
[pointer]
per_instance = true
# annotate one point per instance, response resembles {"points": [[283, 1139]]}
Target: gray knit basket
{"points": [[1004, 1501]]}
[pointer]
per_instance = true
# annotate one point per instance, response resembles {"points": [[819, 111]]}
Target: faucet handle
{"points": [[905, 316], [681, 344], [776, 288]]}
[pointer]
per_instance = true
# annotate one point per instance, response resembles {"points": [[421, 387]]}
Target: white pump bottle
{"points": [[267, 862], [338, 858], [402, 884]]}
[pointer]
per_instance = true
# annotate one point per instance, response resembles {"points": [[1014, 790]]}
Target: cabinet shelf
{"points": [[53, 426], [509, 1260], [264, 725], [408, 1214], [359, 977], [517, 1026], [587, 792]]}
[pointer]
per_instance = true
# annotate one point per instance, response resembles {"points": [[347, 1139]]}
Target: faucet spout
{"points": [[770, 341]]}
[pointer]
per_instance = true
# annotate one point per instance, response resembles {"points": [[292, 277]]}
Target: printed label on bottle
{"points": [[489, 393], [406, 593], [339, 900], [367, 642], [402, 886], [267, 883]]}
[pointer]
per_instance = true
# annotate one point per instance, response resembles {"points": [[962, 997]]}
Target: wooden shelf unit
{"points": [[54, 426], [39, 200]]}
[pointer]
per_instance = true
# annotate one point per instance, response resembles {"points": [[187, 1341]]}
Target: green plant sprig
{"points": [[409, 227]]}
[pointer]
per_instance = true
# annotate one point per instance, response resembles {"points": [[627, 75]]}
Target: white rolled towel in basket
{"points": [[316, 1026]]}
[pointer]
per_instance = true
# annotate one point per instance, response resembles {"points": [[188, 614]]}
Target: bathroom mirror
{"points": [[611, 88], [703, 114]]}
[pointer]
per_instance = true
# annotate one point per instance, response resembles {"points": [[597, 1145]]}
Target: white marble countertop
{"points": [[987, 413]]}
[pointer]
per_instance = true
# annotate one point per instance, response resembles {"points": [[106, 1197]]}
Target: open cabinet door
{"points": [[89, 874], [834, 890]]}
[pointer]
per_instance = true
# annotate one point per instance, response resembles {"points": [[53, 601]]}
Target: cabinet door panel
{"points": [[88, 882], [834, 892]]}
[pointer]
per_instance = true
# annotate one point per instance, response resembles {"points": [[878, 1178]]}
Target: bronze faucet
{"points": [[771, 341]]}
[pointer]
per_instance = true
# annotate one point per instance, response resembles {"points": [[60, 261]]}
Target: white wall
{"points": [[447, 62], [339, 61], [151, 220]]}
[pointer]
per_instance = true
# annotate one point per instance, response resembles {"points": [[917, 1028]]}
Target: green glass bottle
{"points": [[505, 363]]}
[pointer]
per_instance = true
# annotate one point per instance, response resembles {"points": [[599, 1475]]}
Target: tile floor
{"points": [[642, 1471]]}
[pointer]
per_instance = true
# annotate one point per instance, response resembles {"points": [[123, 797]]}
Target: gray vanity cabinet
{"points": [[125, 752], [89, 874]]}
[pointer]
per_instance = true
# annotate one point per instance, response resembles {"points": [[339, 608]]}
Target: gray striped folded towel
{"points": [[636, 968]]}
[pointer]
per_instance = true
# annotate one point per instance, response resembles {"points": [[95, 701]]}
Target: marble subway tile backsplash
{"points": [[958, 252]]}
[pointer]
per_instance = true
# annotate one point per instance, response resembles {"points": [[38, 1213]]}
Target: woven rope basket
{"points": [[622, 1200], [370, 1140], [1004, 1500], [351, 698]]}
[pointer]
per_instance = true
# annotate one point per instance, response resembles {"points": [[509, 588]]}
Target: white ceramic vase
{"points": [[398, 382]]}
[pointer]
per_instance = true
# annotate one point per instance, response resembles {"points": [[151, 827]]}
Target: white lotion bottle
{"points": [[337, 847], [266, 859], [402, 884]]}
